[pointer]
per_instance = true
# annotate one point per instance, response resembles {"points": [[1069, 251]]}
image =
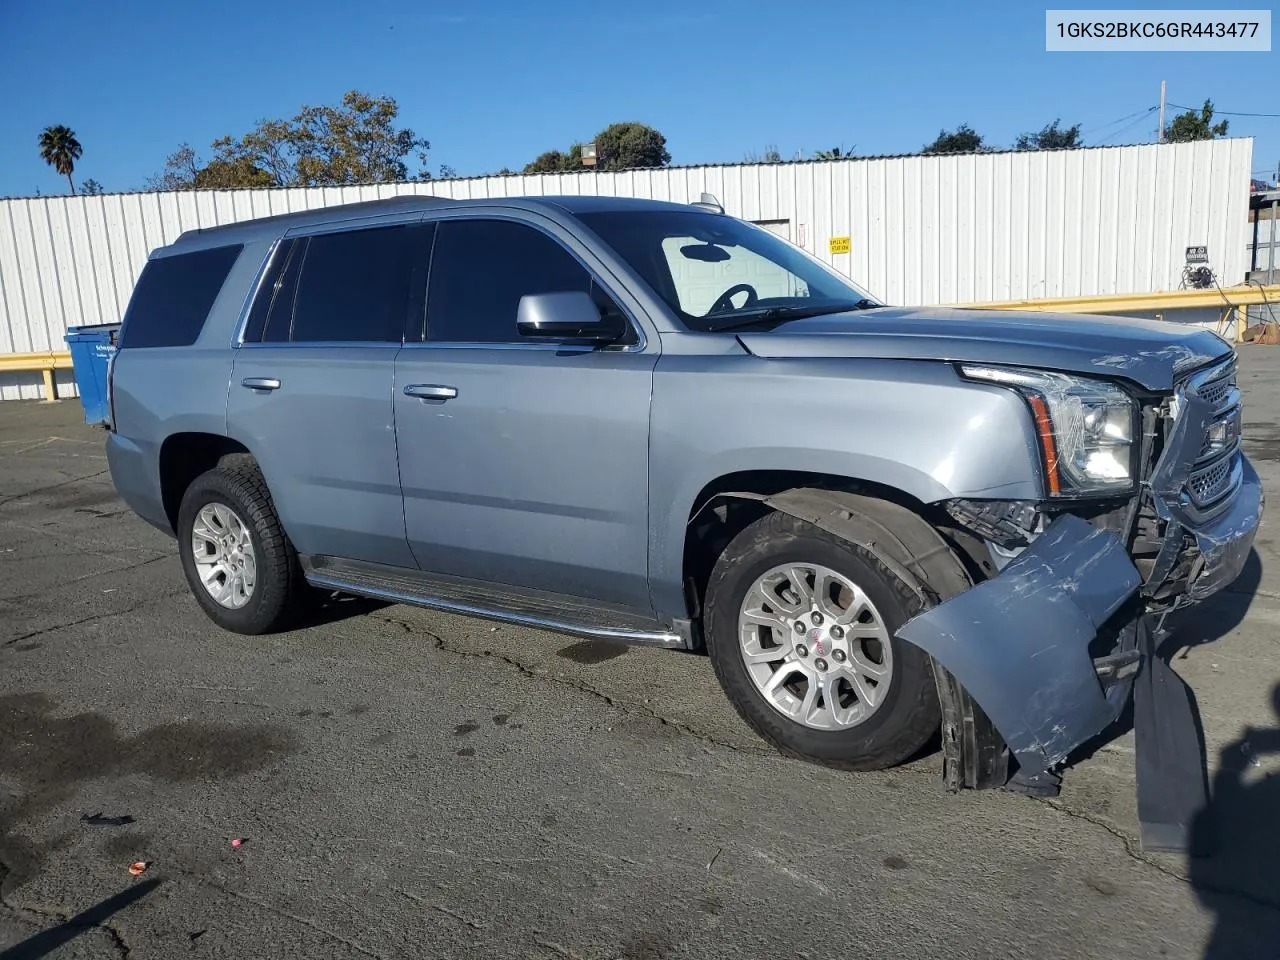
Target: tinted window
{"points": [[354, 286], [481, 268], [173, 297], [271, 315]]}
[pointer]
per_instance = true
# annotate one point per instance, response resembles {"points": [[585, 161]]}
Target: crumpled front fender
{"points": [[1019, 643]]}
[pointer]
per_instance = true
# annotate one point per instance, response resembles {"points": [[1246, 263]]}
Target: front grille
{"points": [[1208, 484], [1214, 477], [1216, 391]]}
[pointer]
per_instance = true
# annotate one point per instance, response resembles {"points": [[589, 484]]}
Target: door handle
{"points": [[430, 391], [260, 383]]}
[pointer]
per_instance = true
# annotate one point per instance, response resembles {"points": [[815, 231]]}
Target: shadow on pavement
{"points": [[44, 943], [1240, 880], [326, 608], [1205, 622], [1219, 615]]}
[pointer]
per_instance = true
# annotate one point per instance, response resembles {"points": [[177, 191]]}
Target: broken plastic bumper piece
{"points": [[1019, 643]]}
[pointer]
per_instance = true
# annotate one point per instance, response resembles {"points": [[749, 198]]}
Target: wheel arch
{"points": [[935, 559], [184, 456], [860, 511]]}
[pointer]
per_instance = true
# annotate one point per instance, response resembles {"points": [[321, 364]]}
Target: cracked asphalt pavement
{"points": [[412, 784]]}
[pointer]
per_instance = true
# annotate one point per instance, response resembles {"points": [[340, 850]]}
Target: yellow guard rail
{"points": [[45, 362], [1228, 300]]}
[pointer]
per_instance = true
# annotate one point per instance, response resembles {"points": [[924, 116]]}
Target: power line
{"points": [[1229, 113], [1112, 123], [1145, 113]]}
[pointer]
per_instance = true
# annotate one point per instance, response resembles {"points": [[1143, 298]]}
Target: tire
{"points": [[905, 716], [278, 590]]}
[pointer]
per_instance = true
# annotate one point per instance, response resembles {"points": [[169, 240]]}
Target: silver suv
{"points": [[655, 423]]}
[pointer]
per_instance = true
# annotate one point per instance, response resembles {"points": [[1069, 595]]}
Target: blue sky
{"points": [[495, 82]]}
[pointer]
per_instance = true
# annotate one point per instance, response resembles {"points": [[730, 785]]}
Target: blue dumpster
{"points": [[91, 350]]}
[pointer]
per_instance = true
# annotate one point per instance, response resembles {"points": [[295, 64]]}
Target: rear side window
{"points": [[354, 286], [173, 297], [351, 286]]}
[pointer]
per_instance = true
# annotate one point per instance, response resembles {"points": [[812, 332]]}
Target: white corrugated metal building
{"points": [[921, 230]]}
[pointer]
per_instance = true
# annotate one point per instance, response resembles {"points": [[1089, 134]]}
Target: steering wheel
{"points": [[725, 301]]}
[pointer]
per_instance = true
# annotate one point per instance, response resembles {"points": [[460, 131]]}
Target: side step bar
{"points": [[490, 602]]}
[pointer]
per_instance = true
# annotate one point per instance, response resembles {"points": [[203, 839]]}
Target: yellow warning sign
{"points": [[838, 244]]}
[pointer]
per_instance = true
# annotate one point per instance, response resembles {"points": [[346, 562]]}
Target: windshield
{"points": [[718, 272]]}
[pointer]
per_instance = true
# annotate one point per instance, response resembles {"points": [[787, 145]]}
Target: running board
{"points": [[491, 602]]}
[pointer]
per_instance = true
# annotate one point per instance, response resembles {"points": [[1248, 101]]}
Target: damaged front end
{"points": [[1050, 648]]}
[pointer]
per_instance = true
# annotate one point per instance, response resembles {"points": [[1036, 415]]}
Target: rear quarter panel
{"points": [[161, 391]]}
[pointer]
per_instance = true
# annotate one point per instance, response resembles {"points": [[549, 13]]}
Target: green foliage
{"points": [[1050, 137], [91, 188], [619, 146], [1194, 125], [556, 161], [962, 139], [625, 146], [356, 141], [835, 153], [60, 149]]}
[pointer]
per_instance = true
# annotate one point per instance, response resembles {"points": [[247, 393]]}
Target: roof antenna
{"points": [[708, 202]]}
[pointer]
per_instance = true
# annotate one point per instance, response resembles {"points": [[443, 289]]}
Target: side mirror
{"points": [[571, 315]]}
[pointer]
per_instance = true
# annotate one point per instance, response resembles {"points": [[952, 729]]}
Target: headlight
{"points": [[1085, 428]]}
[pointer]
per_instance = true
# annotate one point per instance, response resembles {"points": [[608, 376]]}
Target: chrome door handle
{"points": [[260, 383], [430, 391]]}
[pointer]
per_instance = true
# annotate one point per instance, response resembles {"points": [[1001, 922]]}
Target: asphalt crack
{"points": [[1133, 850], [49, 913], [53, 486], [93, 618], [96, 575], [624, 707]]}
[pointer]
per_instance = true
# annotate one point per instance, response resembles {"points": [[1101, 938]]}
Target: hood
{"points": [[1151, 353]]}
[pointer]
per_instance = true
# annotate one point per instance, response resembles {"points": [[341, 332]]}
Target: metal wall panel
{"points": [[924, 230]]}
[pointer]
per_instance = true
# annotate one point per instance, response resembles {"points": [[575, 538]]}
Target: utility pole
{"points": [[1160, 132]]}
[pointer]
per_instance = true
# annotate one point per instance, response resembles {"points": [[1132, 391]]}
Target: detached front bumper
{"points": [[1050, 647]]}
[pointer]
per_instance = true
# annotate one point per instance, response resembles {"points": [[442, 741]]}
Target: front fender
{"points": [[912, 426]]}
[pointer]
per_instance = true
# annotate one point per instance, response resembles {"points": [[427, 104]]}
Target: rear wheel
{"points": [[800, 630], [238, 561]]}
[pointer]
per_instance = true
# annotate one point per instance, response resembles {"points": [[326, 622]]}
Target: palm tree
{"points": [[60, 149]]}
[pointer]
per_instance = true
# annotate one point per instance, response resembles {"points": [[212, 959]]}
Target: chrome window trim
{"points": [[273, 251]]}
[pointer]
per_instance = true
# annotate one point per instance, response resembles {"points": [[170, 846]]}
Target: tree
{"points": [[1195, 126], [556, 161], [619, 146], [60, 149], [231, 175], [552, 161], [962, 139], [624, 146], [1050, 138], [356, 141], [771, 155], [835, 153], [91, 188]]}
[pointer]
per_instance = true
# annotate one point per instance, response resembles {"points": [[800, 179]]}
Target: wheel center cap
{"points": [[815, 642]]}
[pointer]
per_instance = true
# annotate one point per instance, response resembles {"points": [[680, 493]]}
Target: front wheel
{"points": [[800, 630], [238, 561]]}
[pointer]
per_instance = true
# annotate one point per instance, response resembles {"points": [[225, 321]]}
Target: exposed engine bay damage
{"points": [[1019, 643]]}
